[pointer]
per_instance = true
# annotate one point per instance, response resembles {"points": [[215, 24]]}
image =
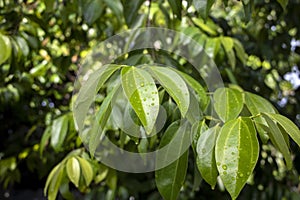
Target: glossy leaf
{"points": [[212, 47], [174, 85], [278, 139], [228, 103], [203, 7], [59, 131], [170, 179], [197, 87], [73, 170], [86, 169], [141, 91], [5, 48], [237, 151], [289, 127], [197, 129], [257, 105], [88, 92], [53, 173], [206, 155]]}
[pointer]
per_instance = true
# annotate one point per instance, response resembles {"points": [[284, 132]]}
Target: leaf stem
{"points": [[255, 116]]}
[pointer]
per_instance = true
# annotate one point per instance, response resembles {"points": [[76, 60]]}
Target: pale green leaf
{"points": [[206, 155], [174, 85], [212, 47], [278, 139], [170, 179], [53, 173], [228, 103], [5, 48], [55, 183], [88, 91], [45, 138], [141, 91], [59, 131], [73, 170], [289, 127], [237, 150], [86, 169]]}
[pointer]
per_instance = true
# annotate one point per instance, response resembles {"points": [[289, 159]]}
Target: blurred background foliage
{"points": [[255, 44]]}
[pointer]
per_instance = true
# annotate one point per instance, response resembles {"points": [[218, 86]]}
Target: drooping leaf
{"points": [[228, 103], [141, 91], [278, 139], [55, 182], [100, 121], [53, 173], [197, 87], [206, 155], [92, 10], [170, 179], [203, 7], [257, 105], [45, 138], [236, 153], [5, 48], [289, 127], [283, 3], [131, 13], [176, 6], [197, 129], [240, 51], [86, 169], [88, 92], [174, 85], [212, 47], [73, 170], [59, 131]]}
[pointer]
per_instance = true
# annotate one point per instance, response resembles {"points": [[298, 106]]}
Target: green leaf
{"points": [[257, 105], [5, 48], [203, 7], [240, 51], [73, 170], [45, 138], [100, 121], [92, 11], [131, 11], [283, 3], [197, 87], [288, 126], [228, 103], [87, 170], [23, 45], [116, 7], [174, 85], [141, 91], [170, 179], [278, 140], [59, 131], [227, 43], [88, 91], [237, 151], [206, 155], [212, 47], [176, 6], [54, 182], [197, 129]]}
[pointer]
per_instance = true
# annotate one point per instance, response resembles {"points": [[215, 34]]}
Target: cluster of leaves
{"points": [[42, 42]]}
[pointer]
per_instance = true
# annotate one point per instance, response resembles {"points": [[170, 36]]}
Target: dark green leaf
{"points": [[283, 3], [170, 179], [278, 139], [237, 151], [176, 7], [92, 11]]}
